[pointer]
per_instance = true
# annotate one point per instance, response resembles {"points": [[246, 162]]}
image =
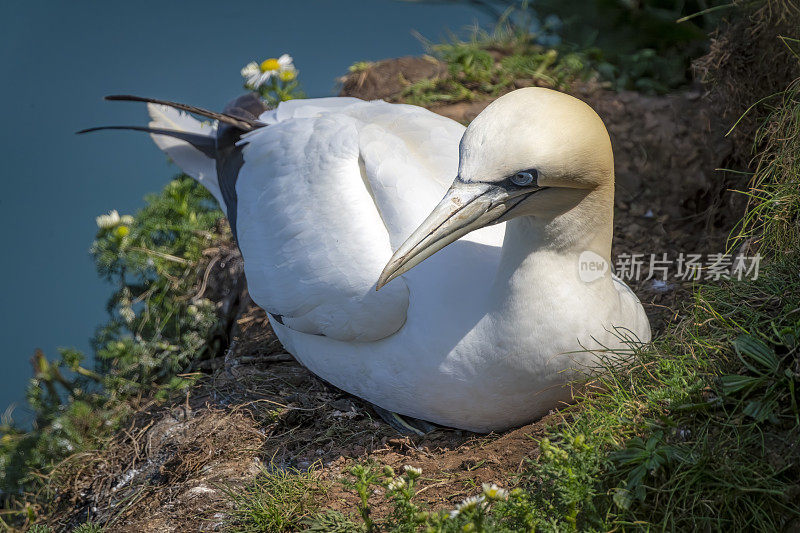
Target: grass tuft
{"points": [[278, 499], [773, 217]]}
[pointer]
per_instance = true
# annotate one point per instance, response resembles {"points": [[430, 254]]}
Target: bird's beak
{"points": [[464, 208]]}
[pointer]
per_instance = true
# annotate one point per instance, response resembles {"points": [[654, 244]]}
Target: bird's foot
{"points": [[406, 425]]}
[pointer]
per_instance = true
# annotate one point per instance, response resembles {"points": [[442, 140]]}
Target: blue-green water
{"points": [[57, 60]]}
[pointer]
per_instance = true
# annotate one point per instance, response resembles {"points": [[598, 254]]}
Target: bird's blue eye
{"points": [[526, 177]]}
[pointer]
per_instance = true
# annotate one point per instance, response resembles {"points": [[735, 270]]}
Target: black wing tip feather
{"points": [[103, 128], [127, 128], [126, 98], [204, 143], [243, 123]]}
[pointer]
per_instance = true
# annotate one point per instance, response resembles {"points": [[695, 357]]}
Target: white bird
{"points": [[488, 332]]}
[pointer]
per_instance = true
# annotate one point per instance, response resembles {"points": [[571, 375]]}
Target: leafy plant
{"points": [[156, 330], [771, 380], [472, 514], [641, 458]]}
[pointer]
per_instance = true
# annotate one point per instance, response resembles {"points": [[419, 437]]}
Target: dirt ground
{"points": [[169, 469]]}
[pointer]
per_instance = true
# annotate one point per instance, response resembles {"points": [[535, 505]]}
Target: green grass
{"points": [[492, 64], [639, 47], [88, 528], [278, 499], [772, 219], [687, 450]]}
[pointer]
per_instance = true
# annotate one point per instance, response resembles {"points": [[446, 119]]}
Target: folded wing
{"points": [[326, 191]]}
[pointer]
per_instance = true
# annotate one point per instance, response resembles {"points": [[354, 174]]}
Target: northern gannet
{"points": [[332, 198]]}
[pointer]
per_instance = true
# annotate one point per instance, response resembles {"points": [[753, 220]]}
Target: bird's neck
{"points": [[544, 251]]}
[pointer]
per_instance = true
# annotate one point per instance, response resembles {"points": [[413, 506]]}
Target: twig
{"points": [[162, 255], [203, 286]]}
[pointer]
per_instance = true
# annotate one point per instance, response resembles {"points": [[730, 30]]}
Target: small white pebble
{"points": [[201, 489], [659, 285]]}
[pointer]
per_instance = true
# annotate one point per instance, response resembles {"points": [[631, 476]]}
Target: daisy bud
{"points": [[412, 472]]}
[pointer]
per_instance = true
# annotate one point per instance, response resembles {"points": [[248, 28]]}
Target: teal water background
{"points": [[57, 61]]}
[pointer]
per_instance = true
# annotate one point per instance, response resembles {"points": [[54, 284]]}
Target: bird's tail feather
{"points": [[240, 122], [191, 144], [206, 151], [203, 143]]}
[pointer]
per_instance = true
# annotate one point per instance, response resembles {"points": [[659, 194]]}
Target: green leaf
{"points": [[637, 475], [629, 455], [760, 410], [735, 383], [756, 350], [622, 498]]}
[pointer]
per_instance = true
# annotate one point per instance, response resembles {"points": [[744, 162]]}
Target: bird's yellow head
{"points": [[533, 152]]}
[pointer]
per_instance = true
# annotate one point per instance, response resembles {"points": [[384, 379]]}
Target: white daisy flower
{"points": [[257, 74], [470, 503], [397, 484], [110, 220], [467, 505], [252, 74], [493, 492], [412, 471]]}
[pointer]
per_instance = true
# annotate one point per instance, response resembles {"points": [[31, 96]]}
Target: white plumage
{"points": [[200, 167], [482, 335]]}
